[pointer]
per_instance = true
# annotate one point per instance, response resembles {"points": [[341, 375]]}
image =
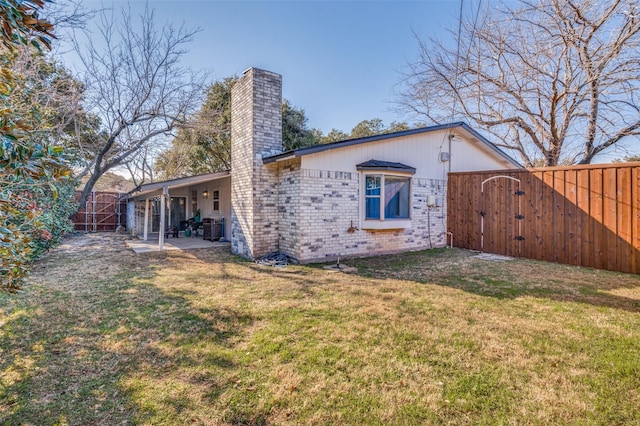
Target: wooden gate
{"points": [[580, 215], [500, 217], [103, 211]]}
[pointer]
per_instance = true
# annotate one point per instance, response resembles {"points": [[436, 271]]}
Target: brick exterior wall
{"points": [[256, 132], [289, 179], [317, 208], [306, 213]]}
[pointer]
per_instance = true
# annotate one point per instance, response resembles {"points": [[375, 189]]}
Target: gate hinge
{"points": [[520, 238], [519, 217], [519, 192]]}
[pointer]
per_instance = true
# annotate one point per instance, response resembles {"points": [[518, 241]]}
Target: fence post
{"points": [[93, 210], [118, 224], [86, 215]]}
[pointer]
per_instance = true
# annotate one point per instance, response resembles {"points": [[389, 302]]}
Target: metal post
{"points": [[169, 209], [145, 231]]}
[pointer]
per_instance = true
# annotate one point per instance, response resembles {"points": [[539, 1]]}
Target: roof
{"points": [[386, 166], [177, 183], [350, 142]]}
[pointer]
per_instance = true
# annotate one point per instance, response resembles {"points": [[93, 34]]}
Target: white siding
{"points": [[420, 151], [206, 204], [325, 199]]}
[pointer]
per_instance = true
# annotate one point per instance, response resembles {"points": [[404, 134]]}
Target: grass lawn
{"points": [[105, 336]]}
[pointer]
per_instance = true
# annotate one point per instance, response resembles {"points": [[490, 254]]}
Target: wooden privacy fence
{"points": [[579, 215], [103, 211]]}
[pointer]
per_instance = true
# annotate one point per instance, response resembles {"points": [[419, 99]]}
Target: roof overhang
{"points": [[464, 127], [385, 166], [156, 188], [475, 136]]}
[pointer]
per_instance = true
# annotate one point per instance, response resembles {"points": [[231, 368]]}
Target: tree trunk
{"points": [[88, 188]]}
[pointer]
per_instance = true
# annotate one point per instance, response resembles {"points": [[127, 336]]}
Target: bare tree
{"points": [[554, 80], [137, 88], [66, 17], [141, 166]]}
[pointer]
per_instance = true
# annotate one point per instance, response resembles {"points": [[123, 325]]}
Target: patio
{"points": [[167, 204], [180, 243]]}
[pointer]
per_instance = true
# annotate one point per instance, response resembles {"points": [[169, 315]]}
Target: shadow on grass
{"points": [[95, 348], [206, 337], [461, 269], [301, 277]]}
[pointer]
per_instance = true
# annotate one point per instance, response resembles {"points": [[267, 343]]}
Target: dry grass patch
{"points": [[105, 336]]}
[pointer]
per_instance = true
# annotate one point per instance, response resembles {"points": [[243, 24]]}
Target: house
{"points": [[373, 195]]}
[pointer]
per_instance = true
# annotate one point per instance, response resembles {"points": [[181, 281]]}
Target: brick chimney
{"points": [[256, 132]]}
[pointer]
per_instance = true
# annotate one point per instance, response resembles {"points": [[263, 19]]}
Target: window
{"points": [[387, 197], [194, 202], [216, 201], [396, 196], [387, 194], [372, 194]]}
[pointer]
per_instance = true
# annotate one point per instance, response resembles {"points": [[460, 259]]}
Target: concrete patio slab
{"points": [[181, 243], [493, 257]]}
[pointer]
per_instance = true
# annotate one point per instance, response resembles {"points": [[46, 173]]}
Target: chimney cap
{"points": [[261, 70]]}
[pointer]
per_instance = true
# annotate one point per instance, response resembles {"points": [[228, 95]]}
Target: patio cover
{"points": [[150, 190]]}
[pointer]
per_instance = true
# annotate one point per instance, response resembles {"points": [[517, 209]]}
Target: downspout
{"points": [[446, 189], [278, 206], [451, 136]]}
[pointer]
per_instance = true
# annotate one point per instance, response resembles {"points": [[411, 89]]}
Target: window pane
{"points": [[373, 185], [178, 210], [373, 208], [194, 202], [396, 194], [372, 197]]}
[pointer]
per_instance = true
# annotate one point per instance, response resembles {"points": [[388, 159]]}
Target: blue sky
{"points": [[340, 60]]}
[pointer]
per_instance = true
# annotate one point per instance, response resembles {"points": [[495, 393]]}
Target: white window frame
{"points": [[382, 222], [216, 200]]}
